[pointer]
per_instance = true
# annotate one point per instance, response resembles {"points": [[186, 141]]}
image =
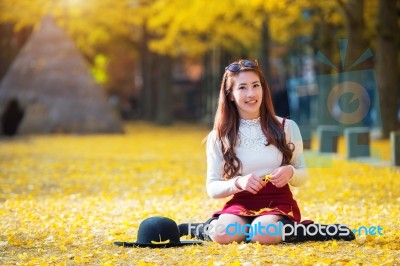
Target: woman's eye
{"points": [[241, 88], [256, 85]]}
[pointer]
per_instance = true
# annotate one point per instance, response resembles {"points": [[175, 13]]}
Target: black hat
{"points": [[158, 232]]}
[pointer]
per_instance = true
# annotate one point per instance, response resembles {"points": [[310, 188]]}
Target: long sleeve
{"points": [[298, 164], [216, 186]]}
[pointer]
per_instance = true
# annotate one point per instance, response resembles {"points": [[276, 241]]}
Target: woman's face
{"points": [[247, 94]]}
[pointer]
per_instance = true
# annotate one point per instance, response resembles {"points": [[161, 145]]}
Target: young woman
{"points": [[247, 143]]}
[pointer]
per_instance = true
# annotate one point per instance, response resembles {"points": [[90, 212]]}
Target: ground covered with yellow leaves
{"points": [[64, 200]]}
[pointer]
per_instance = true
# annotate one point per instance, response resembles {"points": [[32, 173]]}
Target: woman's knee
{"points": [[221, 235], [266, 230]]}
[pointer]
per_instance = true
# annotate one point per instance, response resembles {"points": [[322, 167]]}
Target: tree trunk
{"points": [[265, 49], [387, 65], [147, 73], [213, 77], [164, 90], [355, 27], [207, 88], [355, 106], [325, 41], [11, 43]]}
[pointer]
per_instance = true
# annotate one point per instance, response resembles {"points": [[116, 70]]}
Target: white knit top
{"points": [[256, 158]]}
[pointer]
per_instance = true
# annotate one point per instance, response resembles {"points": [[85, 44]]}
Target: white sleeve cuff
{"points": [[222, 188], [299, 176]]}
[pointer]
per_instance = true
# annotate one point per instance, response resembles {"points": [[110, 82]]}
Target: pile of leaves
{"points": [[64, 200]]}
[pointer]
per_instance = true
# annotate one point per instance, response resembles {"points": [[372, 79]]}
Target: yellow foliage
{"points": [[65, 199], [179, 27], [99, 69]]}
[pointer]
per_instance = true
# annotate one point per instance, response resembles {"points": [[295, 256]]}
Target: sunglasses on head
{"points": [[235, 67]]}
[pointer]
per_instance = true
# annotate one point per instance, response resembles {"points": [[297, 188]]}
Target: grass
{"points": [[64, 200]]}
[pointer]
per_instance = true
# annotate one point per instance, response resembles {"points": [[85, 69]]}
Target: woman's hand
{"points": [[250, 183], [281, 176]]}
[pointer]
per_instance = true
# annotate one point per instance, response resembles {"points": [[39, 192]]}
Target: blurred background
{"points": [[84, 66]]}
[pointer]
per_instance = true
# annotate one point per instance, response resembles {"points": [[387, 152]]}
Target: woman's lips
{"points": [[251, 102]]}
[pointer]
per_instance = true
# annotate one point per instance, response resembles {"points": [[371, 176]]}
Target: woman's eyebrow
{"points": [[251, 83]]}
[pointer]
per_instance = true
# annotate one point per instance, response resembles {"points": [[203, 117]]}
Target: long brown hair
{"points": [[227, 122]]}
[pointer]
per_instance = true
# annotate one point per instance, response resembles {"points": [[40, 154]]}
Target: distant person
{"points": [[11, 118], [248, 143]]}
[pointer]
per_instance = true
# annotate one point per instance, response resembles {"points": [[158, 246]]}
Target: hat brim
{"points": [[149, 245]]}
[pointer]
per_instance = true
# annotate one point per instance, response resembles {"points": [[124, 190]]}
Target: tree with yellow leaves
{"points": [[158, 32]]}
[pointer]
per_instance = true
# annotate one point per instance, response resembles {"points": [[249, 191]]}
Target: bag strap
{"points": [[283, 123]]}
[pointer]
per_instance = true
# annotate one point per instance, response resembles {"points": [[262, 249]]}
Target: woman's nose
{"points": [[250, 92]]}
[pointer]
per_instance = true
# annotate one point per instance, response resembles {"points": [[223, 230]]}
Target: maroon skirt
{"points": [[269, 200]]}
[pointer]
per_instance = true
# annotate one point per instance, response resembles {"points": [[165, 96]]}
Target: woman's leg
{"points": [[234, 222], [267, 234]]}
